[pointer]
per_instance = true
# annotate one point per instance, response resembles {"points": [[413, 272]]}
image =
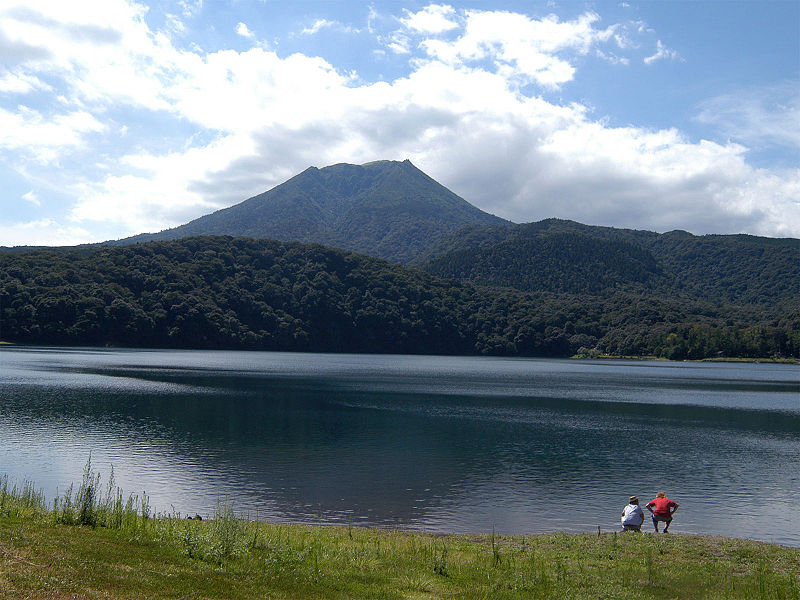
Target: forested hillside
{"points": [[222, 292], [564, 256]]}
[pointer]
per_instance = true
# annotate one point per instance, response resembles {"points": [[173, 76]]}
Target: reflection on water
{"points": [[436, 443]]}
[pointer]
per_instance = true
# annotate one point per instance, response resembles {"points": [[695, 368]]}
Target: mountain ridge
{"points": [[564, 256], [394, 211]]}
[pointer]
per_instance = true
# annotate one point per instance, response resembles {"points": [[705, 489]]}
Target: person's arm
{"points": [[674, 508], [648, 507]]}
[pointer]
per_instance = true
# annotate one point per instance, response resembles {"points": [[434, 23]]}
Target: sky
{"points": [[120, 117]]}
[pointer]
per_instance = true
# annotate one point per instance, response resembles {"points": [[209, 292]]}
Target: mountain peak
{"points": [[384, 163], [389, 209]]}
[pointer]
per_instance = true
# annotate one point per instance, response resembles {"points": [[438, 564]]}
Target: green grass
{"points": [[140, 556]]}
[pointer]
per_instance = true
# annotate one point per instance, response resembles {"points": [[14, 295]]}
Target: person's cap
{"points": [[634, 499]]}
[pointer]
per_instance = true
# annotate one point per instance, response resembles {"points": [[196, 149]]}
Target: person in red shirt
{"points": [[662, 509]]}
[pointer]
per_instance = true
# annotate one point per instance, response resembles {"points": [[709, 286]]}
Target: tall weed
{"points": [[90, 507], [23, 502]]}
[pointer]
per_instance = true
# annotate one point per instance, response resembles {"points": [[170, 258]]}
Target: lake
{"points": [[447, 444]]}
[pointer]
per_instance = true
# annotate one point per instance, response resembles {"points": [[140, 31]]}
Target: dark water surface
{"points": [[448, 444]]}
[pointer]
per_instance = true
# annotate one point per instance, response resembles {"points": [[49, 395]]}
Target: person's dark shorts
{"points": [[665, 518]]}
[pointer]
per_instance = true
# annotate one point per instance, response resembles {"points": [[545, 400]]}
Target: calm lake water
{"points": [[447, 444]]}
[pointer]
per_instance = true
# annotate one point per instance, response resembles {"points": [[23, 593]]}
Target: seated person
{"points": [[632, 515]]}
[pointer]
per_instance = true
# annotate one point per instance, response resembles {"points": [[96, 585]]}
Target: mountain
{"points": [[387, 209], [564, 256], [479, 284]]}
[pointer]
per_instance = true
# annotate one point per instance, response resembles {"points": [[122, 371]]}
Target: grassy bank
{"points": [[121, 551]]}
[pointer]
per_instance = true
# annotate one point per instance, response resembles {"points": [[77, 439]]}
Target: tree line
{"points": [[241, 293]]}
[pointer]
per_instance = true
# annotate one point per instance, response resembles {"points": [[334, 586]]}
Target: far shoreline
{"points": [[591, 356], [726, 359]]}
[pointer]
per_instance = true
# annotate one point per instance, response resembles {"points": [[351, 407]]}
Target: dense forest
{"points": [[564, 256], [223, 292]]}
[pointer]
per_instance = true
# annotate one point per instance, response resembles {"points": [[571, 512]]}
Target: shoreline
{"points": [[223, 559], [96, 545], [731, 359], [600, 357]]}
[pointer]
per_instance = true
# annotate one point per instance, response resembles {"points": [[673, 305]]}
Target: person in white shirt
{"points": [[632, 515]]}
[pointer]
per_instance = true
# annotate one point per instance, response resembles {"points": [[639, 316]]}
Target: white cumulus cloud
{"points": [[520, 46], [31, 197], [45, 137], [434, 18], [20, 83], [42, 232], [244, 31]]}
